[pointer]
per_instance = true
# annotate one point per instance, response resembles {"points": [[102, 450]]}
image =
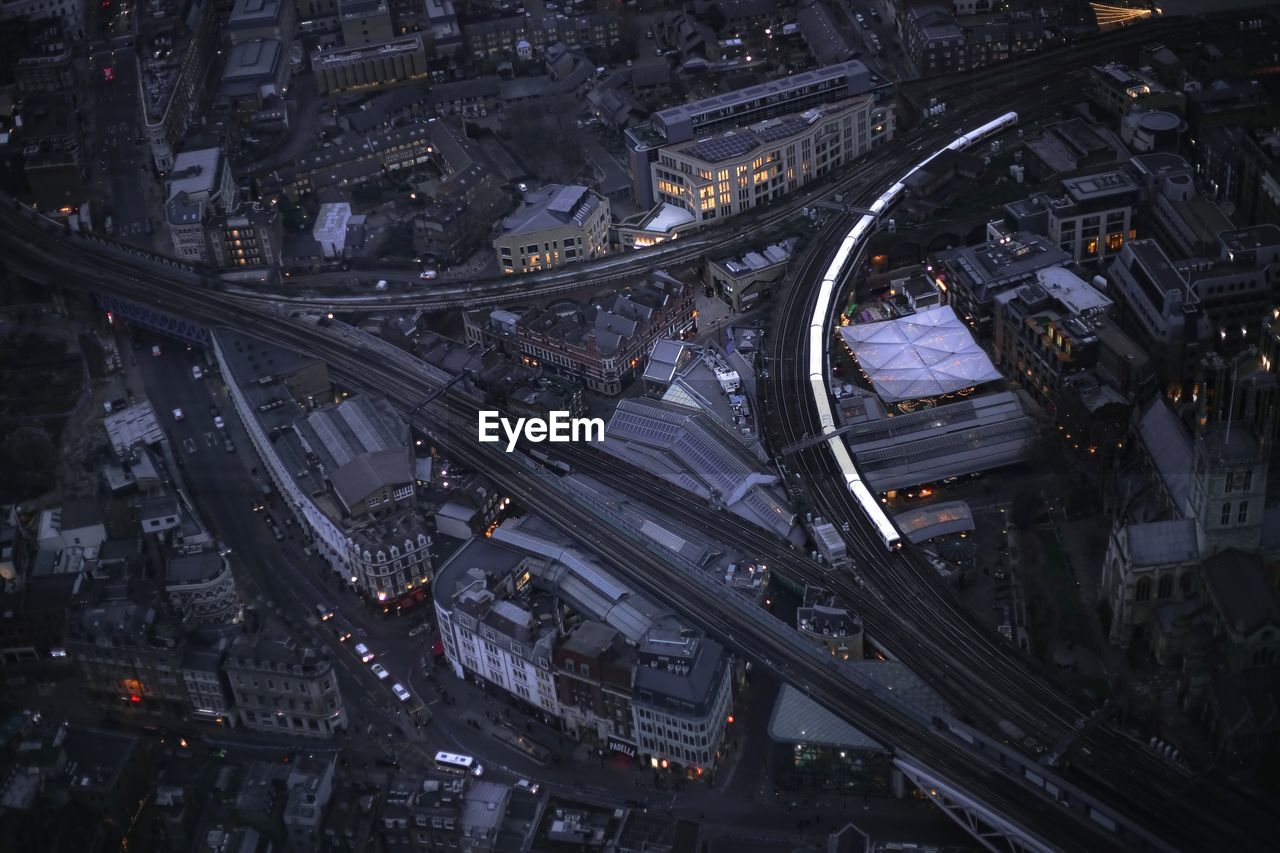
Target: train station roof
{"points": [[926, 354]]}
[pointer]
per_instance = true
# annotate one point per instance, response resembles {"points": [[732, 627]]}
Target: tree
{"points": [[714, 18], [28, 457]]}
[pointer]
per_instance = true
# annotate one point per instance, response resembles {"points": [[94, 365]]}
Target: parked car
{"points": [[177, 415], [380, 671], [195, 372], [418, 629], [229, 446], [218, 422], [401, 693], [155, 350]]}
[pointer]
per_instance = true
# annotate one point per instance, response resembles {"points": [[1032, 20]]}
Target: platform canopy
{"points": [[926, 354]]}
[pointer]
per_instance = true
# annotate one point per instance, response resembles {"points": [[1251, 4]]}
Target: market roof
{"points": [[926, 354]]}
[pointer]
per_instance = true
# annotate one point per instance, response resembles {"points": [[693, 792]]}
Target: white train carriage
{"points": [[834, 274]]}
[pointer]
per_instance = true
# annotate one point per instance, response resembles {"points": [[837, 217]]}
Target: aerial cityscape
{"points": [[639, 426]]}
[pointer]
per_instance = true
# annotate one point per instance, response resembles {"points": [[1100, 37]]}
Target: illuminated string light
{"points": [[1108, 15]]}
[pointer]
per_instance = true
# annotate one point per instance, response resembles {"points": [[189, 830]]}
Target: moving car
{"points": [[526, 785], [155, 350], [401, 693], [195, 371], [418, 629], [325, 611], [380, 671], [177, 415], [363, 652]]}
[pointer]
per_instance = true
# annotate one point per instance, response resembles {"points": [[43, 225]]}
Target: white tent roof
{"points": [[926, 354]]}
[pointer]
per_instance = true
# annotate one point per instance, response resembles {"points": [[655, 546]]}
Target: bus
{"points": [[454, 763]]}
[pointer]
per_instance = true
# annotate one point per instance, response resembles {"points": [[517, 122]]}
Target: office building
{"points": [[281, 687], [1047, 330], [1160, 311], [733, 171], [69, 13], [176, 42], [256, 73], [526, 612], [744, 281], [248, 236], [970, 277], [262, 19], [370, 67], [555, 225], [199, 185], [201, 588], [345, 470], [45, 64], [1091, 220], [793, 94], [365, 22], [594, 671], [127, 651]]}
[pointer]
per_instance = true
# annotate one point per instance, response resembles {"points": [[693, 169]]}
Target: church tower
{"points": [[1235, 414]]}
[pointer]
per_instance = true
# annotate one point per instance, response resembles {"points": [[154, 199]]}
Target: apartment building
{"points": [[602, 346], [503, 36], [356, 159], [281, 687], [370, 67], [731, 172], [555, 225]]}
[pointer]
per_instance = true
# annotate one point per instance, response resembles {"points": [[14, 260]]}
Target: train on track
{"points": [[845, 259]]}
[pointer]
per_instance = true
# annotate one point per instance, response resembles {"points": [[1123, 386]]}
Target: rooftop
{"points": [[254, 12], [1238, 585], [740, 142], [553, 206], [926, 354], [1162, 543], [252, 59], [194, 568]]}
